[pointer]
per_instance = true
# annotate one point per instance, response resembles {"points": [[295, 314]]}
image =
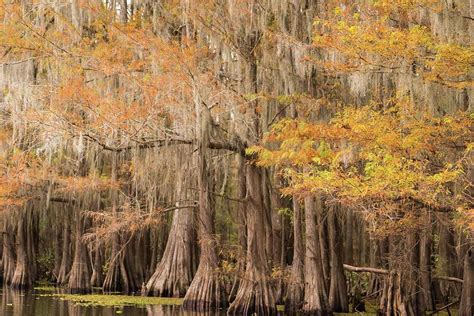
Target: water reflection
{"points": [[14, 303]]}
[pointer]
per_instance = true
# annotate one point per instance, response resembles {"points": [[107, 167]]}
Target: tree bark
{"points": [[255, 294], [400, 291], [448, 259], [316, 298], [276, 250], [466, 307], [377, 253], [8, 253], [348, 258], [64, 269], [22, 278], [97, 278], [425, 295], [338, 300], [174, 273], [206, 291], [117, 278], [295, 294], [79, 279], [325, 256], [241, 217], [57, 250]]}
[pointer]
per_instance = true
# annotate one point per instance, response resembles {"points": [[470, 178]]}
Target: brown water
{"points": [[42, 303], [39, 303]]}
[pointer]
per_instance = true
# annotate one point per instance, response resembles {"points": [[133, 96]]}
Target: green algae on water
{"points": [[46, 288], [117, 300]]}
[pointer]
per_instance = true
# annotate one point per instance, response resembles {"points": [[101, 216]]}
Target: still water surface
{"points": [[41, 303]]}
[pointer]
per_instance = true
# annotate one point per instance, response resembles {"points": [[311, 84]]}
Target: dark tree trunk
{"points": [[316, 298], [425, 295], [154, 242], [32, 240], [447, 251], [241, 217], [466, 307], [139, 262], [338, 300], [132, 270], [8, 253], [349, 224], [448, 260], [120, 277], [394, 299], [403, 284], [57, 251], [295, 294], [255, 294], [64, 269], [325, 256], [117, 277], [377, 254], [79, 279], [277, 251], [268, 225], [97, 278], [22, 278], [356, 246], [206, 291], [175, 272]]}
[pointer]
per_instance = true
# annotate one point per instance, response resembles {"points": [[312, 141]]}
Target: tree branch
{"points": [[364, 269], [237, 148], [385, 272]]}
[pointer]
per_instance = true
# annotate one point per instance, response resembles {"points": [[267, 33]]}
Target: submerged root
{"points": [[255, 295], [206, 292]]}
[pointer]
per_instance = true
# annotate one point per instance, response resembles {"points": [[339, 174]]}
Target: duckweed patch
{"points": [[46, 288], [117, 300]]}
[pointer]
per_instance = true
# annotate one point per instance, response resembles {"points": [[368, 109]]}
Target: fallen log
{"points": [[386, 272]]}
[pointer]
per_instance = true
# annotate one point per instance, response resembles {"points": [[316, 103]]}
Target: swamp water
{"points": [[51, 303]]}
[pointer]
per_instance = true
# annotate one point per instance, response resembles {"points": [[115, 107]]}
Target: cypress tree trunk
{"points": [[448, 259], [277, 240], [338, 300], [97, 278], [377, 259], [8, 253], [57, 251], [32, 236], [357, 249], [138, 263], [268, 225], [295, 294], [206, 291], [241, 217], [64, 269], [315, 293], [403, 284], [255, 294], [323, 230], [466, 307], [134, 275], [117, 279], [174, 273], [79, 279], [348, 258], [425, 294], [22, 278]]}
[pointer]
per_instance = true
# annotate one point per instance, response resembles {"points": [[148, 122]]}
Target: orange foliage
{"points": [[382, 161]]}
